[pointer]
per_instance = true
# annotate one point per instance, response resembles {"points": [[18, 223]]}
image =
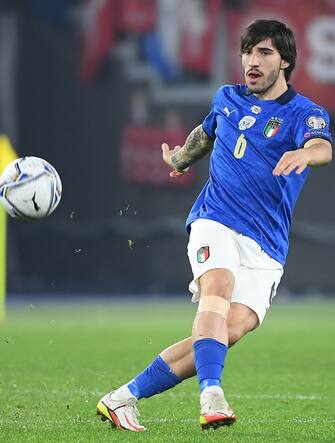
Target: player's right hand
{"points": [[167, 155]]}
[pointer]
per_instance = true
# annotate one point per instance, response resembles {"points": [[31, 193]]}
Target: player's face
{"points": [[262, 67]]}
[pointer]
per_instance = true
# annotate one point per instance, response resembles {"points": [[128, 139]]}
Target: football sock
{"points": [[156, 378], [209, 357]]}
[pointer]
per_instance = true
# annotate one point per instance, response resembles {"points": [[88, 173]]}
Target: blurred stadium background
{"points": [[94, 87]]}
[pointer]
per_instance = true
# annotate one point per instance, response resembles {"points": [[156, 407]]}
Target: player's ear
{"points": [[284, 64]]}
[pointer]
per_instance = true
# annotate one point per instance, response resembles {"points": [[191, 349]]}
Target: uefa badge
{"points": [[203, 254], [316, 122], [272, 127]]}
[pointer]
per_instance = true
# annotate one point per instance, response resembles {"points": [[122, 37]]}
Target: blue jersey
{"points": [[250, 137]]}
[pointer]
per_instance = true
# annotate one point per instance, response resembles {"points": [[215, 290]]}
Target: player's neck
{"points": [[275, 91]]}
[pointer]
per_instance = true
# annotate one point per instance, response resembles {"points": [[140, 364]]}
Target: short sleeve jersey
{"points": [[250, 137]]}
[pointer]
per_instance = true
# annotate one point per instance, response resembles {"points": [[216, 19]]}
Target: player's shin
{"points": [[210, 336]]}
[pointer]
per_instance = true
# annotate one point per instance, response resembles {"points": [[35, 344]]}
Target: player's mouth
{"points": [[253, 76]]}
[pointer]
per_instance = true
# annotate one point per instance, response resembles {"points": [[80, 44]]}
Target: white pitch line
{"points": [[96, 393], [241, 420], [60, 422], [282, 396], [302, 397]]}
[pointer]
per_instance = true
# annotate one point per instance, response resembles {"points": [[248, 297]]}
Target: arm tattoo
{"points": [[197, 145]]}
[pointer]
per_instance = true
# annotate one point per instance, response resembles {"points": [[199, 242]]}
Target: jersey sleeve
{"points": [[313, 123], [210, 121]]}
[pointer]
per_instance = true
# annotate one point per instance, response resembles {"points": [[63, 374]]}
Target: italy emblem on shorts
{"points": [[272, 127], [203, 254]]}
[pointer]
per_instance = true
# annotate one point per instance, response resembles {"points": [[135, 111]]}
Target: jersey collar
{"points": [[282, 99], [287, 96]]}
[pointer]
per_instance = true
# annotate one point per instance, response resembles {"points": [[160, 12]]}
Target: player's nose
{"points": [[253, 60]]}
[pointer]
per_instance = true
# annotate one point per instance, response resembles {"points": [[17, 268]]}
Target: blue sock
{"points": [[156, 378], [209, 357]]}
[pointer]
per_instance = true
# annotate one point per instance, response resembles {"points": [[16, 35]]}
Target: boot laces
{"points": [[131, 409]]}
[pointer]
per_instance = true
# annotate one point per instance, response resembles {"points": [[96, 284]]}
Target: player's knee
{"points": [[218, 282], [212, 303]]}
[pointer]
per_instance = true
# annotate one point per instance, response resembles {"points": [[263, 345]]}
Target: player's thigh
{"points": [[256, 288], [212, 246]]}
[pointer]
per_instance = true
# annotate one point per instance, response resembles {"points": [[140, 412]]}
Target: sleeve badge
{"points": [[316, 122]]}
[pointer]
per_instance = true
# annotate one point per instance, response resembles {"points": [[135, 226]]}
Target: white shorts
{"points": [[257, 275]]}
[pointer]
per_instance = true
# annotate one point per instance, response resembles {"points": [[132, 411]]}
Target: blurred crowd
{"points": [[106, 81]]}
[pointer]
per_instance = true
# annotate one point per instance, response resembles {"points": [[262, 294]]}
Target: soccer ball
{"points": [[30, 188]]}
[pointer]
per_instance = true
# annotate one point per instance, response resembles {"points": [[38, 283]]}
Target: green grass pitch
{"points": [[57, 361]]}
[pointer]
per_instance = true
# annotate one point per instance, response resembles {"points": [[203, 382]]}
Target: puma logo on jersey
{"points": [[227, 112]]}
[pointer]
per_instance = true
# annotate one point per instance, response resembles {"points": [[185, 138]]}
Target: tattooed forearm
{"points": [[197, 145]]}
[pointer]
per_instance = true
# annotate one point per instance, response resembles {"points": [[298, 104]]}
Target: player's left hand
{"points": [[167, 155], [292, 161]]}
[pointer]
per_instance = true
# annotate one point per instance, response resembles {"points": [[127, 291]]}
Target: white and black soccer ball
{"points": [[30, 188]]}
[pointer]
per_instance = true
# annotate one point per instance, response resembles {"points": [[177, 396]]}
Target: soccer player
{"points": [[263, 137]]}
